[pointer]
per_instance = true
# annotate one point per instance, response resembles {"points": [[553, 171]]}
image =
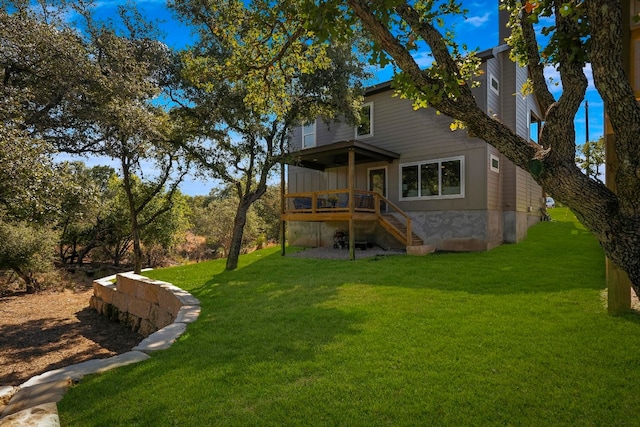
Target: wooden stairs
{"points": [[398, 230]]}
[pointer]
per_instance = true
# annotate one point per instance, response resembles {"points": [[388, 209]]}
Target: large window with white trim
{"points": [[442, 178], [365, 128], [309, 135]]}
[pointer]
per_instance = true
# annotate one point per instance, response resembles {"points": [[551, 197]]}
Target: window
{"points": [[494, 84], [494, 163], [309, 135], [365, 128], [433, 179]]}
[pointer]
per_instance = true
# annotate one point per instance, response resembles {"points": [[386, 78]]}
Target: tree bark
{"points": [[133, 212], [239, 222], [29, 281]]}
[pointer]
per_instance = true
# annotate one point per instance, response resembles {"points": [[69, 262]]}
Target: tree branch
{"points": [[612, 82], [536, 67]]}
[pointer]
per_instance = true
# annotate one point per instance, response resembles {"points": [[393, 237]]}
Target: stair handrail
{"points": [[313, 197], [378, 198]]}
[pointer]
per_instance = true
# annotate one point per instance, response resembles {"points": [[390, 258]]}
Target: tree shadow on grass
{"points": [[264, 327], [256, 333]]}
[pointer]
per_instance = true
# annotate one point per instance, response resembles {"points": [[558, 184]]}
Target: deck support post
{"points": [[283, 224], [618, 283], [351, 183]]}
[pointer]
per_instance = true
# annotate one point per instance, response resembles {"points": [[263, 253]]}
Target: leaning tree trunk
{"points": [[137, 248], [30, 282], [239, 222], [133, 212]]}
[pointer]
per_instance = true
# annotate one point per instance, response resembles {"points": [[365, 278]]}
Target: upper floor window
{"points": [[494, 84], [309, 135], [442, 178], [365, 128], [494, 163]]}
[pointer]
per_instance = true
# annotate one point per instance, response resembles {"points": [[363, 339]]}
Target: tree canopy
{"points": [[254, 72]]}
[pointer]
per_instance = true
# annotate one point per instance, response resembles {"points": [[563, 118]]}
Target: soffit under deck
{"points": [[337, 155]]}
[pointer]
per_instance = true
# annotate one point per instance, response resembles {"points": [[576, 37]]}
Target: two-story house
{"points": [[404, 178]]}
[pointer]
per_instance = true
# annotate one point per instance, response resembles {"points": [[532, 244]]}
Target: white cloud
{"points": [[478, 21], [553, 79], [555, 84], [423, 59], [589, 73]]}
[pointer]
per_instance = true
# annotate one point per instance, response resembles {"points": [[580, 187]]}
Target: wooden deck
{"points": [[337, 205]]}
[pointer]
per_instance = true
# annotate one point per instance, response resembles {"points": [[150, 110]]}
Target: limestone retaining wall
{"points": [[143, 304]]}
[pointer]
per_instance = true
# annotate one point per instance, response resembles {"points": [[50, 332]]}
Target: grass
{"points": [[515, 336]]}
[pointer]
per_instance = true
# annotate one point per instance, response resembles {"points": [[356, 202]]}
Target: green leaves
{"points": [[568, 35], [28, 182]]}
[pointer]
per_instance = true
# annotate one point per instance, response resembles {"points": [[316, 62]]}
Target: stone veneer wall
{"points": [[143, 304]]}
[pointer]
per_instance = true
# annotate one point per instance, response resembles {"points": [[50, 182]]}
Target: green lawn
{"points": [[515, 336]]}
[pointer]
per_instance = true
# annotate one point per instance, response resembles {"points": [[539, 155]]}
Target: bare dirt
{"points": [[50, 330]]}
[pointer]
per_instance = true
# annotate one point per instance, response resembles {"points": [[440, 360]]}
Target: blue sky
{"points": [[479, 30]]}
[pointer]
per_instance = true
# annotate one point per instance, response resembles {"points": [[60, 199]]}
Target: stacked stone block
{"points": [[143, 304]]}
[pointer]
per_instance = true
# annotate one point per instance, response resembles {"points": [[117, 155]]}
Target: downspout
{"points": [[351, 183], [282, 210]]}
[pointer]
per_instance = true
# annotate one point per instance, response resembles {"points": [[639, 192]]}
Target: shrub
{"points": [[26, 250]]}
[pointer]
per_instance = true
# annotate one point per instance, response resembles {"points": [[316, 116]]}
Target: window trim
{"points": [[370, 134], [303, 146], [492, 78], [493, 157], [439, 196]]}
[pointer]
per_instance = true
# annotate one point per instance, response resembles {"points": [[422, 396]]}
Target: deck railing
{"points": [[331, 201]]}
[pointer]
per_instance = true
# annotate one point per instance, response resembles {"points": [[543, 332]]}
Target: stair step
{"points": [[402, 229]]}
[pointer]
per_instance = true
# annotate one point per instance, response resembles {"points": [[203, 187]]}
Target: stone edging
{"points": [[33, 403]]}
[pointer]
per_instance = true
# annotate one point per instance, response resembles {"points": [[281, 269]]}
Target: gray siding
{"points": [[480, 92], [420, 135], [494, 106], [494, 180], [523, 104]]}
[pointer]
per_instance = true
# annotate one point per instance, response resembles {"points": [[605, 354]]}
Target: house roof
{"points": [[337, 154], [483, 55]]}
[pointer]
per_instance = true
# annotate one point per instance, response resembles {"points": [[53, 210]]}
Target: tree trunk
{"points": [[135, 229], [116, 258], [137, 248], [84, 252], [239, 222], [29, 281]]}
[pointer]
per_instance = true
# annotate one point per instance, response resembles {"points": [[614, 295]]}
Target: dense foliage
{"points": [[253, 74]]}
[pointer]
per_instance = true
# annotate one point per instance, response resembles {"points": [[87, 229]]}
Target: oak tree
{"points": [[253, 73], [580, 32]]}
